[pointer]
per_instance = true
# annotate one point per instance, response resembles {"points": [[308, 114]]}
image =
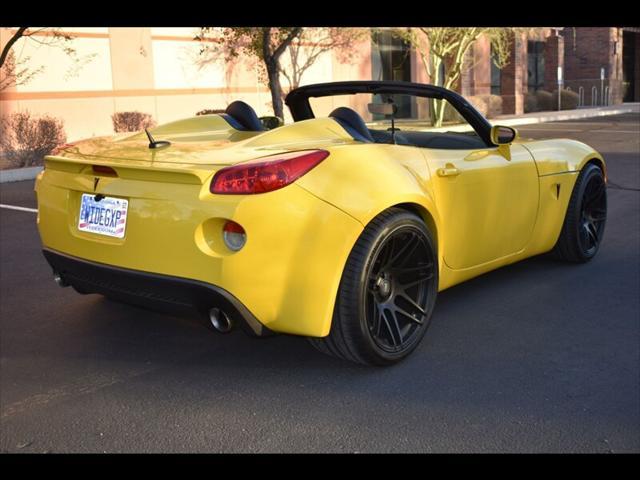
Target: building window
{"points": [[535, 63], [496, 78], [391, 60], [630, 66]]}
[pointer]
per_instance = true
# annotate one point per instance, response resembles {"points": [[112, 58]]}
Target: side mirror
{"points": [[383, 108], [501, 135], [271, 122]]}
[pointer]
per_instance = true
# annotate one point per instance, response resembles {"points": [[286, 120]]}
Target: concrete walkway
{"points": [[541, 117]]}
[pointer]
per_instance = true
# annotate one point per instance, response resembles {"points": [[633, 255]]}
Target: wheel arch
{"points": [[426, 216], [598, 162], [568, 246], [591, 157]]}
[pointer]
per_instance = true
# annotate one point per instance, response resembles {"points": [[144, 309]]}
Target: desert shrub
{"points": [[209, 111], [451, 115], [545, 100], [568, 100], [25, 140], [494, 103], [488, 105], [131, 121], [530, 103], [479, 104]]}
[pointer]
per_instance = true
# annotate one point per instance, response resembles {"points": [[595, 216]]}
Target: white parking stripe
{"points": [[22, 209]]}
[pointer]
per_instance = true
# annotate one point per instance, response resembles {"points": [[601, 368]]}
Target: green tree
{"points": [[443, 51], [267, 44]]}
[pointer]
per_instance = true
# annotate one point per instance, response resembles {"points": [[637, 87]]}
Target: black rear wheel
{"points": [[584, 223], [387, 292]]}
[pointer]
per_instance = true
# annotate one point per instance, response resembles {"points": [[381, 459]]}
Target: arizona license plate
{"points": [[107, 216]]}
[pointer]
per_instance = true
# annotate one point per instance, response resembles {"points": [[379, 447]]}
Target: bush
{"points": [[488, 105], [26, 140], [545, 100], [495, 105], [568, 100], [208, 111], [451, 115], [131, 121], [479, 104], [530, 103]]}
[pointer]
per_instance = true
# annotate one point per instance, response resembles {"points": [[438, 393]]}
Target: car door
{"points": [[487, 200]]}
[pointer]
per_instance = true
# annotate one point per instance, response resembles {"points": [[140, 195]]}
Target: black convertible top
{"points": [[298, 99]]}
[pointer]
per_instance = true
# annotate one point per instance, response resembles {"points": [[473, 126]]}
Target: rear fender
{"points": [[365, 180]]}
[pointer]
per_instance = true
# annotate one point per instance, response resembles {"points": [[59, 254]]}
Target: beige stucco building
{"points": [[152, 70], [155, 71]]}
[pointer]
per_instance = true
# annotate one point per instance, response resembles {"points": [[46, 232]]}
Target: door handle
{"points": [[449, 170]]}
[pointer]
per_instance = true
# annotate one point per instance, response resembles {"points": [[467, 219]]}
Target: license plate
{"points": [[107, 216]]}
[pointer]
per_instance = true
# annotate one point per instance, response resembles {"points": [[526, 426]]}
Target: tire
{"points": [[80, 290], [387, 292], [583, 228]]}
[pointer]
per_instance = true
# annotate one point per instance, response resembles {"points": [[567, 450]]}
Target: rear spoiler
{"points": [[132, 170]]}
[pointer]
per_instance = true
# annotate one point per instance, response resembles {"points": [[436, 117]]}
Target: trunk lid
{"points": [[203, 141]]}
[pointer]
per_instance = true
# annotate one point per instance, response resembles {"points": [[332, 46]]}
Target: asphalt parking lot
{"points": [[540, 356]]}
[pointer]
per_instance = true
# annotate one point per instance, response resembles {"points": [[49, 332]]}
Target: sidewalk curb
{"points": [[19, 174], [567, 115]]}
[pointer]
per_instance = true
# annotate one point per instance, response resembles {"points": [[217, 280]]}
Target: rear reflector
{"points": [[234, 235], [270, 173]]}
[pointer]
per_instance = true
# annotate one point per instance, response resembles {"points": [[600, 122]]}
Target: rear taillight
{"points": [[270, 173]]}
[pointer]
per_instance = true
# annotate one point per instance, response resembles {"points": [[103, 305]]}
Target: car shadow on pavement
{"points": [[505, 352], [116, 330]]}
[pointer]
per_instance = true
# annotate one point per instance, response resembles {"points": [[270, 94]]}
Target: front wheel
{"points": [[586, 216], [387, 292]]}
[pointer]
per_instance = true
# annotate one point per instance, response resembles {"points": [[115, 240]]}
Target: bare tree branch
{"points": [[19, 71], [266, 44], [5, 51], [287, 41], [312, 43]]}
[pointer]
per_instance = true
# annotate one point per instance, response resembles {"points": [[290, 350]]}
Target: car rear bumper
{"points": [[287, 274], [151, 290]]}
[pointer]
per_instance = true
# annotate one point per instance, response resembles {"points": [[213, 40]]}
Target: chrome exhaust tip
{"points": [[220, 320], [59, 280]]}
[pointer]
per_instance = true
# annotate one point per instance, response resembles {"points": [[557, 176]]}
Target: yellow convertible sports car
{"points": [[341, 226]]}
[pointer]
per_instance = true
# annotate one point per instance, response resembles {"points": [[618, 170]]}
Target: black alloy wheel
{"points": [[387, 292], [584, 223], [396, 298], [593, 214]]}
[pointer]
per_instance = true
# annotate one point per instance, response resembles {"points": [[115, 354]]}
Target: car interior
{"points": [[242, 116], [353, 123]]}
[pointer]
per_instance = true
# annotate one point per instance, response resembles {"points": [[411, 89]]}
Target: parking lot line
{"points": [[22, 209]]}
